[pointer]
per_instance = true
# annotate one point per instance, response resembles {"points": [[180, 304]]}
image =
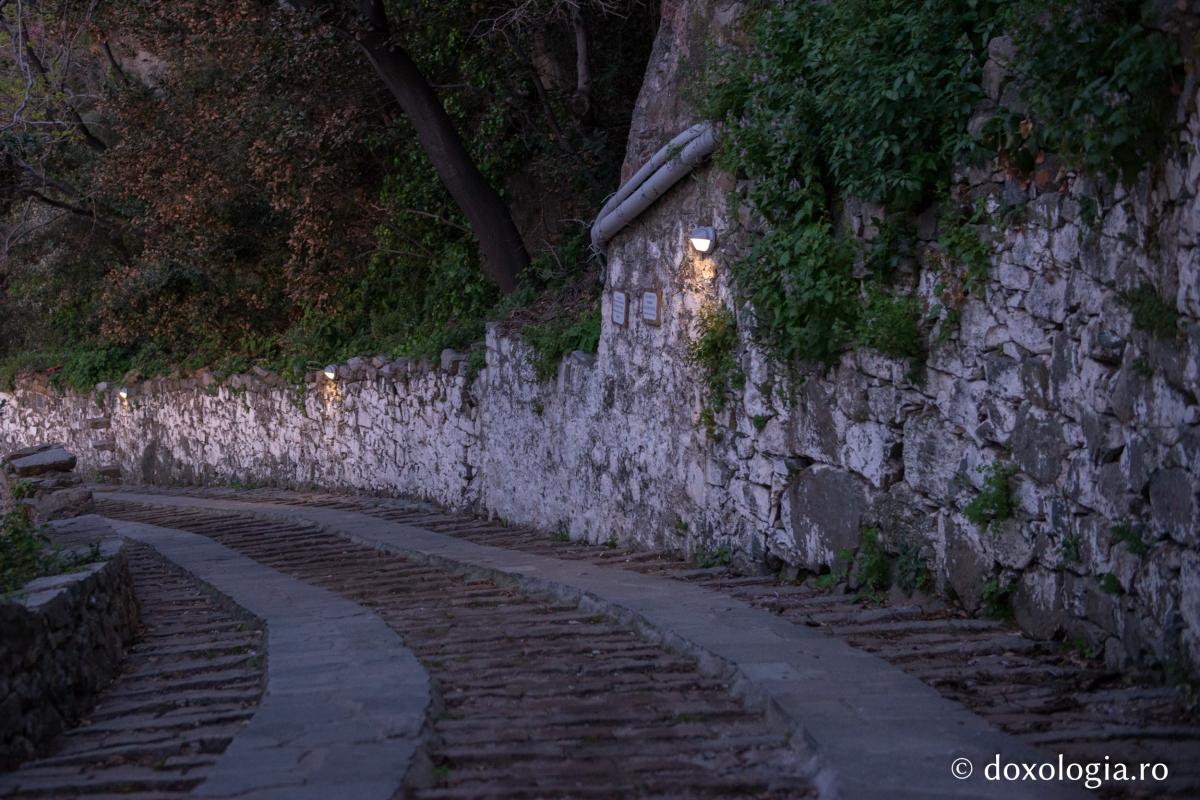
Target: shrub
{"points": [[994, 503], [890, 324], [1099, 79], [1131, 538], [997, 599], [855, 98], [26, 553], [874, 571], [714, 352], [1150, 313], [552, 340], [912, 573]]}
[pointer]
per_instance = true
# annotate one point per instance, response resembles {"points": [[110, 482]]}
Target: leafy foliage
{"points": [[912, 573], [1131, 537], [874, 571], [714, 557], [714, 352], [994, 502], [273, 204], [1150, 313], [997, 599], [842, 99], [889, 323], [26, 553], [870, 100], [1099, 78], [552, 340]]}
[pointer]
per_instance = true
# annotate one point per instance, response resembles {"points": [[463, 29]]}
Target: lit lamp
{"points": [[703, 239], [123, 393], [331, 372]]}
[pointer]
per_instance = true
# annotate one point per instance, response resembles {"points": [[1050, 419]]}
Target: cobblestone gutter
{"points": [[62, 639]]}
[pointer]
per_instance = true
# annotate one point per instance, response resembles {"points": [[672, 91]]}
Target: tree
{"points": [[41, 125], [365, 22]]}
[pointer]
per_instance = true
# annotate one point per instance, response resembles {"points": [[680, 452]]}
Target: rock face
{"points": [[1045, 374], [43, 479], [63, 640]]}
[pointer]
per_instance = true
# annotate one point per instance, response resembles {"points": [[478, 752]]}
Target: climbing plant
{"points": [[714, 352], [871, 99], [857, 98], [1100, 79]]}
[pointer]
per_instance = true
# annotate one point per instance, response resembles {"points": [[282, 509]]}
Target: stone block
{"points": [[1037, 445], [933, 455], [39, 460], [1175, 504], [967, 566], [1037, 606], [827, 507]]}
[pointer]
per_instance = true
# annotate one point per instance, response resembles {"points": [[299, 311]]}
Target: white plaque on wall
{"points": [[620, 308], [651, 307]]}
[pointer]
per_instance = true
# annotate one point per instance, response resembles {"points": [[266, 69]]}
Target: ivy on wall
{"points": [[870, 99]]}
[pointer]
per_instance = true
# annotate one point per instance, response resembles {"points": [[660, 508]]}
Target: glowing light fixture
{"points": [[703, 239], [123, 393], [331, 371]]}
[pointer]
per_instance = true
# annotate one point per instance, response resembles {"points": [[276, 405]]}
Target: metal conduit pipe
{"points": [[655, 161], [664, 169]]}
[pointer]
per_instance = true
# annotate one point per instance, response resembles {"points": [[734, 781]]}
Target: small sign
{"points": [[620, 308], [652, 307]]}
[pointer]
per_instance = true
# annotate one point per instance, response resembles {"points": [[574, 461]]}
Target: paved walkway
{"points": [[345, 701], [879, 731], [537, 698]]}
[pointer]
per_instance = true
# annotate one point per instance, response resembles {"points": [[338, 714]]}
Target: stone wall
{"points": [[1044, 372], [62, 639]]}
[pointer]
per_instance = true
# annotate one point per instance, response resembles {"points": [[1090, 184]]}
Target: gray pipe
{"points": [[664, 169]]}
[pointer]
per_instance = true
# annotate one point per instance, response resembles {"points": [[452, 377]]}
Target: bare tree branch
{"points": [[33, 63]]}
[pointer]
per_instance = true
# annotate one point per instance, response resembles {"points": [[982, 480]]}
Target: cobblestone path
{"points": [[187, 687], [1053, 697], [538, 700]]}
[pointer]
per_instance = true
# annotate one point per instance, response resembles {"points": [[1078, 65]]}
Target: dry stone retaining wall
{"points": [[1045, 373], [62, 639]]}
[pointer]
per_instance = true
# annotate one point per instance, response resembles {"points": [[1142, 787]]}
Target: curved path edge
{"points": [[870, 729], [345, 702]]}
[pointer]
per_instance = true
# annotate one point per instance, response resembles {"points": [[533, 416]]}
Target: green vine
{"points": [[714, 352], [870, 99], [1100, 79]]}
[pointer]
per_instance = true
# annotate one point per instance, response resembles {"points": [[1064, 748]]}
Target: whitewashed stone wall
{"points": [[1045, 372]]}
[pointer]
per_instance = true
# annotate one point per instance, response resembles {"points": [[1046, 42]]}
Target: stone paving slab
{"points": [[879, 732], [345, 701]]}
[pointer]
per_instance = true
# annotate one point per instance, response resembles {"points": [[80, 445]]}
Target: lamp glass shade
{"points": [[703, 239], [331, 372]]}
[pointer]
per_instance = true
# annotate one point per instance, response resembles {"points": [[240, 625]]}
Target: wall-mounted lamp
{"points": [[331, 372], [704, 239], [123, 393]]}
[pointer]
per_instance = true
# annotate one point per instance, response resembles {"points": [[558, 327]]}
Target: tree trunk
{"points": [[581, 102], [504, 254]]}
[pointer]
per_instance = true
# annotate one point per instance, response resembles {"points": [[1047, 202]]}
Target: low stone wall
{"points": [[62, 639]]}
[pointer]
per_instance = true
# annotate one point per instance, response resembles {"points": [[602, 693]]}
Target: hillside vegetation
{"points": [[226, 183]]}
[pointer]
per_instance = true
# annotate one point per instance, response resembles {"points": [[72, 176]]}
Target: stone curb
{"points": [[345, 702], [869, 729]]}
